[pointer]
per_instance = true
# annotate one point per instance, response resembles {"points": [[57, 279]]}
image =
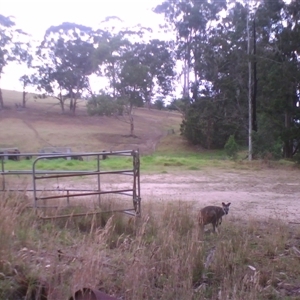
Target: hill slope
{"points": [[41, 124]]}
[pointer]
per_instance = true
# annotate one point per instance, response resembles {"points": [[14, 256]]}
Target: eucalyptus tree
{"points": [[65, 60], [211, 47], [13, 46], [108, 55], [192, 21], [278, 78], [158, 57], [135, 69], [112, 42], [131, 87], [217, 57]]}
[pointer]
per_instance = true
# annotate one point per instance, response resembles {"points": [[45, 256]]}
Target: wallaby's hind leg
{"points": [[215, 226], [220, 221]]}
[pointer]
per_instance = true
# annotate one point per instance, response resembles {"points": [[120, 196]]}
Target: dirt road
{"points": [[253, 194], [268, 193]]}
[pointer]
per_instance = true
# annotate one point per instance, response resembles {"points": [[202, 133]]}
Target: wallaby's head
{"points": [[226, 207]]}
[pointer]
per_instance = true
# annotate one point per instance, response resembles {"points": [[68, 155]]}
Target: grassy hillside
{"points": [[42, 124]]}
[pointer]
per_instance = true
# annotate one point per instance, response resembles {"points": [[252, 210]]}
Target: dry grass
{"points": [[41, 124], [157, 256]]}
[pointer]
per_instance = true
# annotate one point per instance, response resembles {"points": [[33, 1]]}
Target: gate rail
{"points": [[38, 175]]}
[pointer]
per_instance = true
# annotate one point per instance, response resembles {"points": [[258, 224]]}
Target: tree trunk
{"points": [[61, 102], [288, 144], [148, 98], [114, 80], [288, 149], [249, 90], [186, 71], [71, 105], [254, 119], [62, 105], [131, 121], [24, 99], [74, 106], [131, 126], [209, 133], [1, 97], [1, 100]]}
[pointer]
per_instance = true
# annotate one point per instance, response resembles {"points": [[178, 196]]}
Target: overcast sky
{"points": [[35, 16]]}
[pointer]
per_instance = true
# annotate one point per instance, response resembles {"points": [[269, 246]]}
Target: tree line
{"points": [[211, 47], [212, 42]]}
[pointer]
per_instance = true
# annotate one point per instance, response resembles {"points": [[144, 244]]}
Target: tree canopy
{"points": [[13, 46], [213, 47], [208, 53]]}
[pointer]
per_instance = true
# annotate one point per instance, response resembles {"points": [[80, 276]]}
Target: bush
{"points": [[297, 158], [104, 105], [265, 145], [159, 104], [231, 147], [267, 141], [204, 124]]}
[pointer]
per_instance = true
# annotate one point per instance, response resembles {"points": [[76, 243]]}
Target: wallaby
{"points": [[213, 215]]}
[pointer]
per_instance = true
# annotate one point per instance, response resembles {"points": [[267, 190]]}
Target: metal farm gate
{"points": [[132, 190]]}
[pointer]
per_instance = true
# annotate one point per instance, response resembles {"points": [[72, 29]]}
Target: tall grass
{"points": [[157, 256]]}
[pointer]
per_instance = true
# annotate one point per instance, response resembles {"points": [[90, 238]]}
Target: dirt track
{"points": [[268, 193], [253, 194]]}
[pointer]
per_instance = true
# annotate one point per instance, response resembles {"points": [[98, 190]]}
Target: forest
{"points": [[226, 54]]}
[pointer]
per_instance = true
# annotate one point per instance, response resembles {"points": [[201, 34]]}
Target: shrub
{"points": [[159, 104], [231, 147], [104, 105], [266, 141]]}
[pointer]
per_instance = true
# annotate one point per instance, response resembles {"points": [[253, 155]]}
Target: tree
{"points": [[214, 111], [12, 46], [108, 54], [133, 80], [66, 61], [26, 81], [157, 57], [112, 45], [216, 55], [279, 76], [216, 108], [136, 71], [192, 21]]}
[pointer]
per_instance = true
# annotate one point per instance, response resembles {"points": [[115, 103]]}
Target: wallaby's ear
{"points": [[223, 204], [228, 203]]}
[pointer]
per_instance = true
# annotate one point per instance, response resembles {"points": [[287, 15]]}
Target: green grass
{"points": [[150, 163], [157, 162], [114, 163], [182, 161]]}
